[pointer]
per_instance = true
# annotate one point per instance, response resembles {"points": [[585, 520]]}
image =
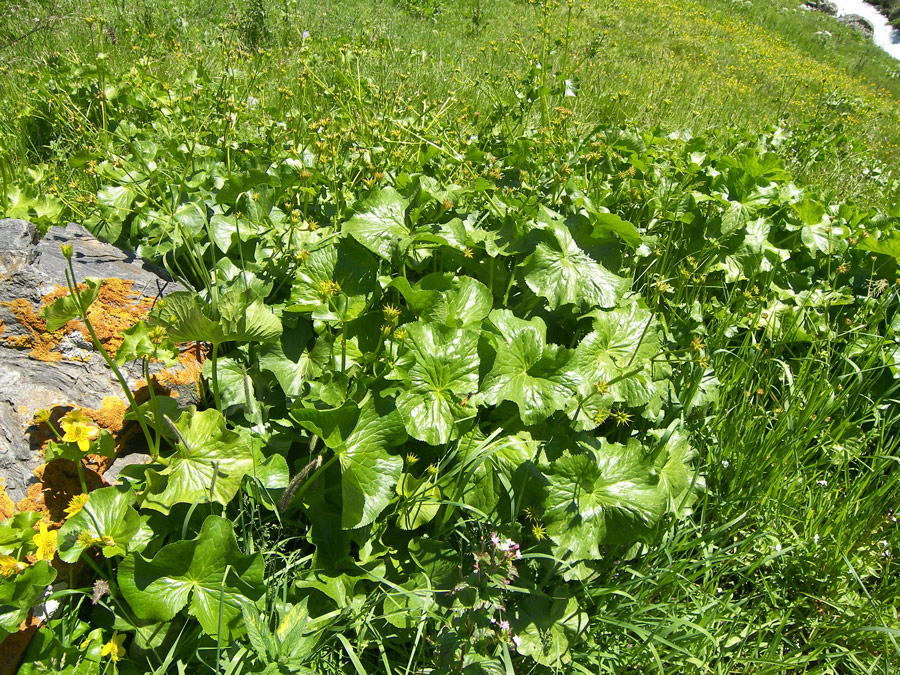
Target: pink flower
{"points": [[504, 625], [495, 539]]}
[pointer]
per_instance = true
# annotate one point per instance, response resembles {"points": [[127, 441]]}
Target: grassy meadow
{"points": [[601, 296]]}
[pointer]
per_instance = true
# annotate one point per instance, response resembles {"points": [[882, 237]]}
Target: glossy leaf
{"points": [[108, 521], [379, 223], [527, 371], [209, 463], [210, 575], [65, 309], [439, 369], [565, 275], [605, 493]]}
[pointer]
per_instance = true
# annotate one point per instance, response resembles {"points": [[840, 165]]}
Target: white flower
{"points": [[778, 548], [725, 464], [508, 545], [823, 483], [516, 640], [816, 538]]}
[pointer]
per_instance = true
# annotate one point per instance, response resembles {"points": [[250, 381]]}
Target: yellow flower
{"points": [[45, 542], [114, 649], [80, 433], [10, 566], [76, 416], [76, 504]]}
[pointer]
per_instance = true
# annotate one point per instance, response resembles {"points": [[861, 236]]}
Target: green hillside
{"points": [[539, 336]]}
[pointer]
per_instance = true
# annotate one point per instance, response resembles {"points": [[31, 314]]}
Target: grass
{"points": [[787, 562]]}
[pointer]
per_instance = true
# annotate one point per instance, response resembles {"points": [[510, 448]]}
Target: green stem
{"points": [[215, 376], [73, 289], [81, 479], [145, 365]]}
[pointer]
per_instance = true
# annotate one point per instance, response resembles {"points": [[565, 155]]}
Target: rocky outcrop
{"points": [[858, 23], [40, 370], [825, 6]]}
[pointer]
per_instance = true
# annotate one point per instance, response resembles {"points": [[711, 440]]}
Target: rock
{"points": [[42, 370], [858, 23], [17, 240], [825, 6]]}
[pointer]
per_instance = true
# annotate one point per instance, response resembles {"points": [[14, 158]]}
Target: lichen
{"points": [[7, 507], [117, 308]]}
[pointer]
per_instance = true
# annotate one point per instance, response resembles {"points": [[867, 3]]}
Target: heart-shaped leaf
{"points": [[238, 317], [360, 437], [605, 493], [565, 275], [527, 371], [439, 368], [209, 463], [379, 223], [107, 520], [210, 571]]}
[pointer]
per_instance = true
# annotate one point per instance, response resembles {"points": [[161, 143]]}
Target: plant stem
{"points": [[215, 376], [81, 479], [73, 289]]}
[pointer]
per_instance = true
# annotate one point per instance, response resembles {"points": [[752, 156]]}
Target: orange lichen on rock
{"points": [[34, 499], [110, 415], [190, 371], [7, 508], [40, 341], [117, 307], [57, 483]]}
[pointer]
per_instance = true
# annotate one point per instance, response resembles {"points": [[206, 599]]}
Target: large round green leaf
{"points": [[239, 316], [565, 275], [342, 270], [360, 436], [108, 519], [209, 464], [380, 223], [438, 369], [534, 375], [210, 571], [606, 493]]}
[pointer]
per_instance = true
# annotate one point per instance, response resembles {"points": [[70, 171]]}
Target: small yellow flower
{"points": [[45, 542], [76, 415], [80, 433], [622, 418], [114, 649], [41, 416], [10, 566], [391, 313], [76, 504]]}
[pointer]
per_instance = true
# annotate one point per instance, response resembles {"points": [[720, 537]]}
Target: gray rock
{"points": [[825, 6], [29, 269], [17, 240], [858, 23]]}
